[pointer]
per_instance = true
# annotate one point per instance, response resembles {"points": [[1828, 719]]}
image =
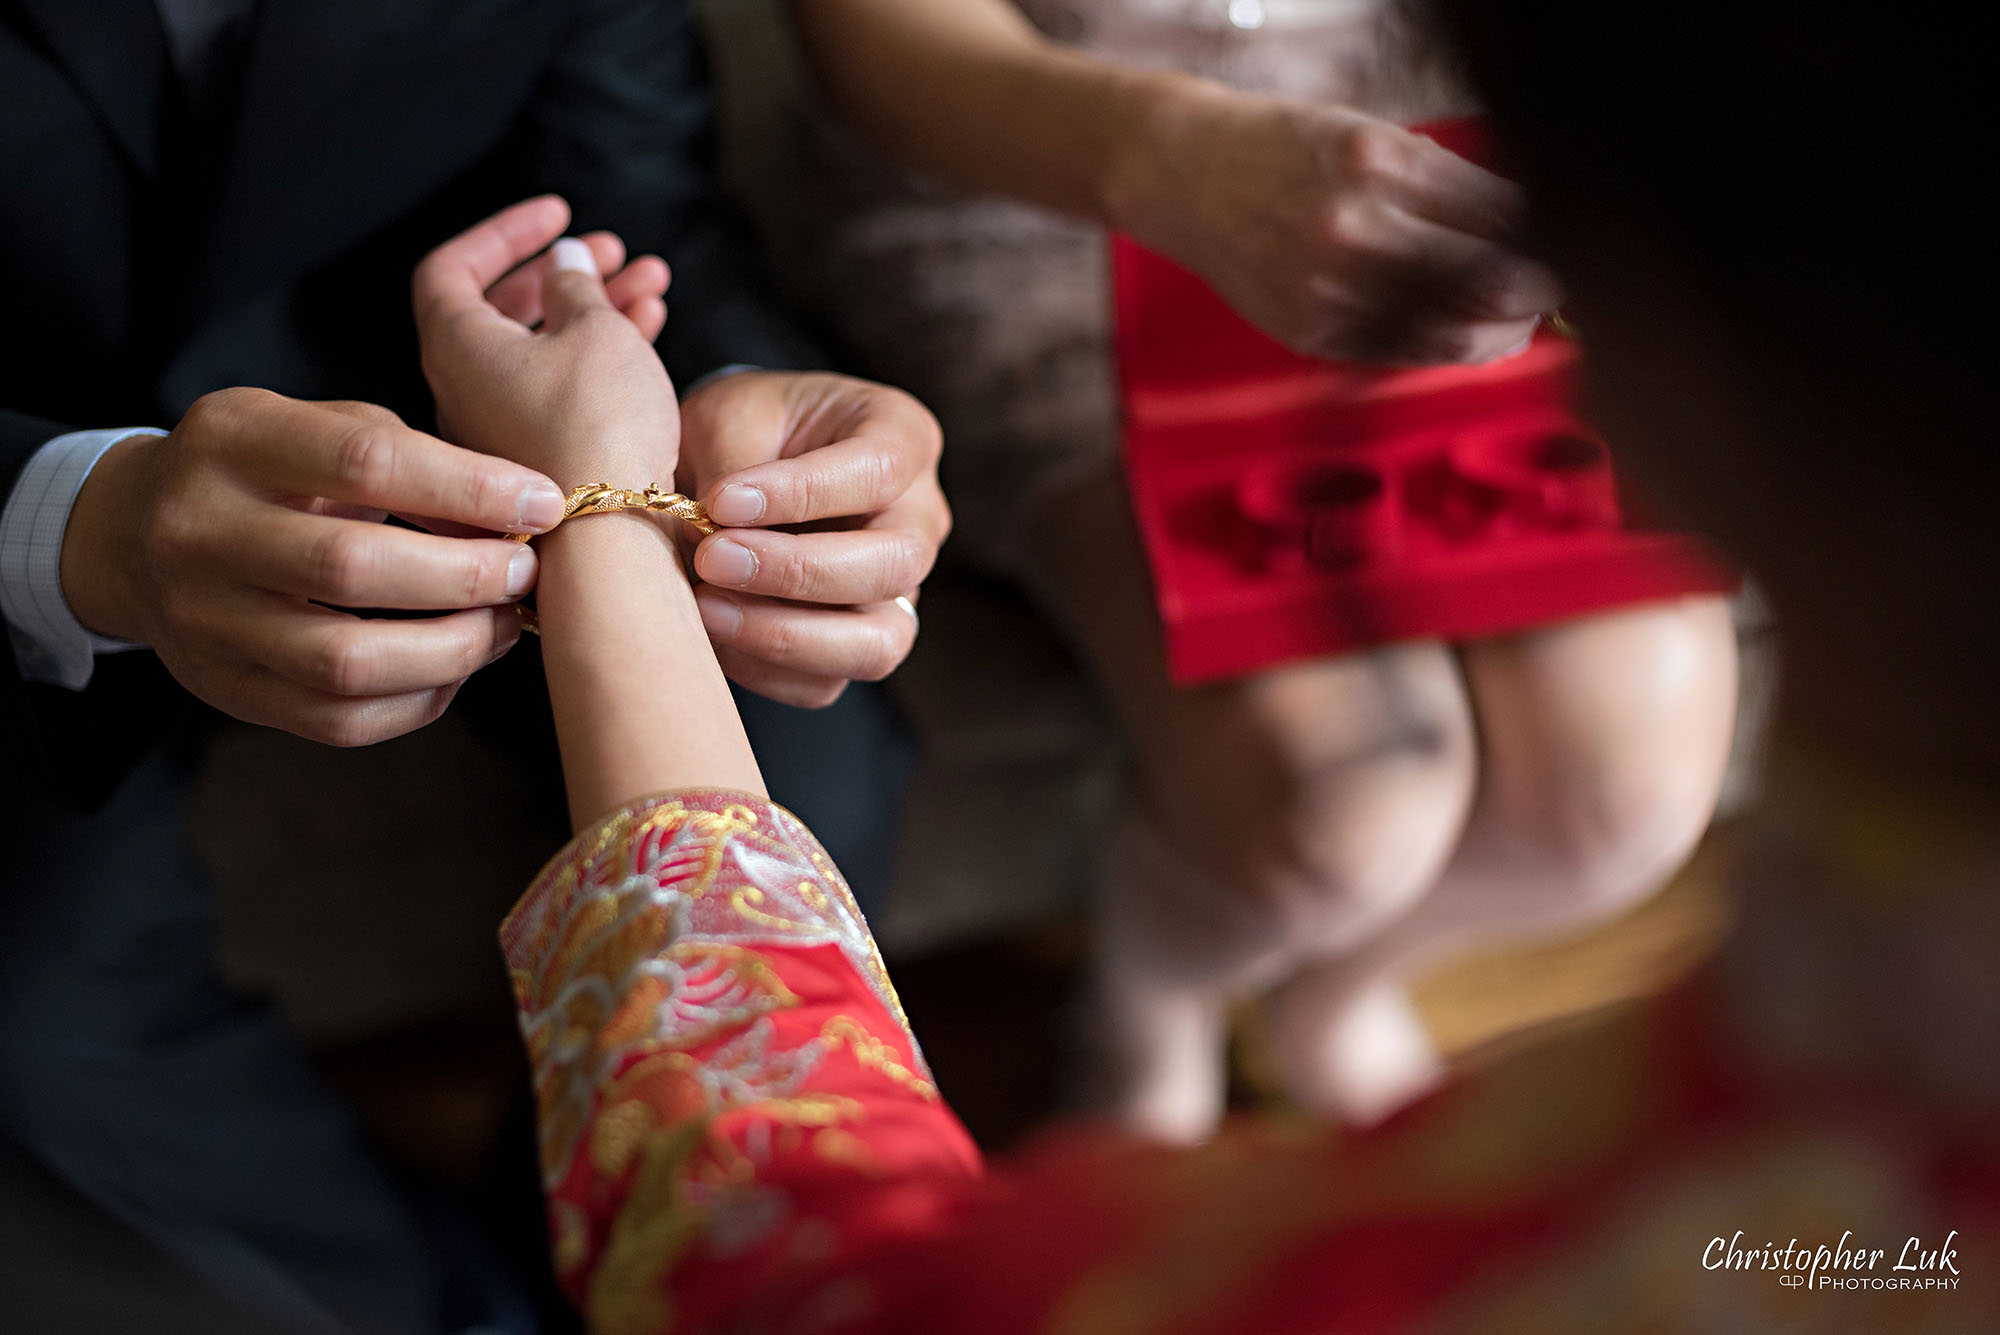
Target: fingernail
{"points": [[574, 256], [541, 507], [719, 617], [521, 572], [737, 504], [726, 562]]}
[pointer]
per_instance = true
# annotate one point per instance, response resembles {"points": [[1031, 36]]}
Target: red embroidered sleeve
{"points": [[732, 1108]]}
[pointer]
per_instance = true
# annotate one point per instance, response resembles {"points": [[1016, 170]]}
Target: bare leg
{"points": [[1603, 743], [1305, 806]]}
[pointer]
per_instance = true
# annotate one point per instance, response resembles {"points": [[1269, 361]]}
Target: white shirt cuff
{"points": [[50, 644]]}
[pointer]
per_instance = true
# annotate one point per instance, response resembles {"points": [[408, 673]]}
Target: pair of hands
{"points": [[232, 545], [1339, 234]]}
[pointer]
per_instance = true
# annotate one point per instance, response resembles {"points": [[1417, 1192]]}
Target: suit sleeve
{"points": [[625, 126]]}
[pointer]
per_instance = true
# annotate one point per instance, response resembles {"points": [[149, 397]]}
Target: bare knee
{"points": [[1335, 794], [1355, 841], [1605, 742], [1608, 836]]}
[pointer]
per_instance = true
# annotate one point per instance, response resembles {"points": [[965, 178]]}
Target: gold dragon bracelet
{"points": [[601, 498]]}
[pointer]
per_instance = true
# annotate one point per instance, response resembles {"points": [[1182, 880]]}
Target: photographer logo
{"points": [[1847, 1265]]}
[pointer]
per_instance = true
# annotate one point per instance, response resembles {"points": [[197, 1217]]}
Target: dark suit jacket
{"points": [[154, 252]]}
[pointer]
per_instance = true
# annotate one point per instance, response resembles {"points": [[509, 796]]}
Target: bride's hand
{"points": [[581, 396]]}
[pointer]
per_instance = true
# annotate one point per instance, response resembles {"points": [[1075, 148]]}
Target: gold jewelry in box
{"points": [[601, 498]]}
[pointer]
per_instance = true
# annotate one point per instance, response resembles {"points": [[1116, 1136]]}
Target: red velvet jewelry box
{"points": [[1293, 507]]}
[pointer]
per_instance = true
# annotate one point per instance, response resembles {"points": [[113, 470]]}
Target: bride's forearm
{"points": [[640, 704]]}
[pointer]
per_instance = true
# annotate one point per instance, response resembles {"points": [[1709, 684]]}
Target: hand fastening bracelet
{"points": [[601, 498]]}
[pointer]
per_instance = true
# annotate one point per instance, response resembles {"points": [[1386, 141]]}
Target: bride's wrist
{"points": [[635, 469], [617, 536], [640, 702], [613, 578]]}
